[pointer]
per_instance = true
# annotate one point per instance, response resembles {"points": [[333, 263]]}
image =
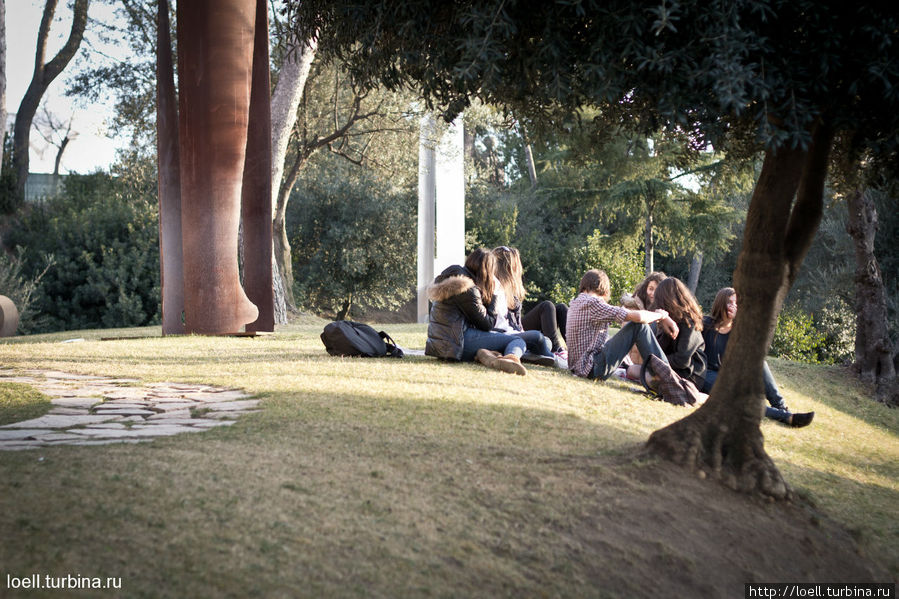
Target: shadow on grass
{"points": [[358, 494]]}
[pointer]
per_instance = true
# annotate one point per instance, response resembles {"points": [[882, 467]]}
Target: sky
{"points": [[92, 149]]}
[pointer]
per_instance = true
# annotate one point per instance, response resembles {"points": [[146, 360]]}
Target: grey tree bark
{"points": [[873, 349], [285, 102], [44, 74], [695, 269]]}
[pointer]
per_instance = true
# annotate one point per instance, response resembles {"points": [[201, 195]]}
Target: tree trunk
{"points": [[723, 438], [171, 255], [44, 74], [647, 240], [285, 102], [345, 310], [695, 269], [873, 348], [529, 159], [279, 233]]}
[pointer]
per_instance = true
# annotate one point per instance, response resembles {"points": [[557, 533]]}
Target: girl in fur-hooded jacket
{"points": [[457, 303]]}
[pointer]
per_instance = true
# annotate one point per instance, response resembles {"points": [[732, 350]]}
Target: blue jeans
{"points": [[618, 346], [536, 342], [475, 339], [777, 410]]}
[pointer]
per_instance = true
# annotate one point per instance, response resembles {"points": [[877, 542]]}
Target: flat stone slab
{"points": [[232, 406], [93, 410], [125, 411], [76, 402], [60, 421], [69, 411], [22, 433]]}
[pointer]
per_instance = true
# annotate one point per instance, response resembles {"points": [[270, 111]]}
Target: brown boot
{"points": [[487, 358], [510, 363]]}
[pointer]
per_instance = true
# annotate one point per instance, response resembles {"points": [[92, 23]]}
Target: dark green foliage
{"points": [[796, 337], [103, 235], [353, 239], [836, 322], [9, 195], [20, 289]]}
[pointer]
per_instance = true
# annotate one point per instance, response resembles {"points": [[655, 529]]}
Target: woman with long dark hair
{"points": [[685, 351], [716, 332]]}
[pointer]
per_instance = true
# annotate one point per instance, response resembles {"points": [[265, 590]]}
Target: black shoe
{"points": [[800, 420], [539, 359]]}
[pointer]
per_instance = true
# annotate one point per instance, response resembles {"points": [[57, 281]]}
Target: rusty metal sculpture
{"points": [[220, 156]]}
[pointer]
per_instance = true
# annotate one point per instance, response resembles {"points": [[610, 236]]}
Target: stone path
{"points": [[95, 410]]}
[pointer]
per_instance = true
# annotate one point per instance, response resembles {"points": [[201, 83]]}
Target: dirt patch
{"points": [[659, 527]]}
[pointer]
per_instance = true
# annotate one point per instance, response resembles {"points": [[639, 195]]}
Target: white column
{"points": [[450, 197], [427, 189], [441, 204]]}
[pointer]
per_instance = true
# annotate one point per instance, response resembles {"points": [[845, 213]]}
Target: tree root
{"points": [[713, 450]]}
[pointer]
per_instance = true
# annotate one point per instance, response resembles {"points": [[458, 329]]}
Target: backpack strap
{"points": [[393, 350]]}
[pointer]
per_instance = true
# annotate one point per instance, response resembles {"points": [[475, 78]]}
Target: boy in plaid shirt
{"points": [[591, 353]]}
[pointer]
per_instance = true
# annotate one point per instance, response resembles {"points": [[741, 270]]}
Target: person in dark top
{"points": [[716, 332], [685, 351]]}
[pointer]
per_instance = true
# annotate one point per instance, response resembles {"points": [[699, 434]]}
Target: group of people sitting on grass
{"points": [[664, 341]]}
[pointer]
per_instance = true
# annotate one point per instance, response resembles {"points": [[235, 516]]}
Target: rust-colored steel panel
{"points": [[215, 45]]}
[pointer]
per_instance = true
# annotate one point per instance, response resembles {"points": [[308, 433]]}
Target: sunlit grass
{"points": [[21, 402]]}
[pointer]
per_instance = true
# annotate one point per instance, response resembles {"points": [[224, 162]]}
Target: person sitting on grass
{"points": [[463, 315], [543, 343], [716, 331], [642, 299], [685, 350], [591, 353]]}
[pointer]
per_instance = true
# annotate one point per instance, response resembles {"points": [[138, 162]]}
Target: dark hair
{"points": [[640, 291], [719, 306], [674, 297], [596, 281], [481, 263]]}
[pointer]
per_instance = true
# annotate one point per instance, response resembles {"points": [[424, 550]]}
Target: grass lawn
{"points": [[413, 477]]}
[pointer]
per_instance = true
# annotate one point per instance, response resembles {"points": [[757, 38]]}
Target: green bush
{"points": [[353, 242], [20, 289], [103, 235], [795, 337], [837, 322]]}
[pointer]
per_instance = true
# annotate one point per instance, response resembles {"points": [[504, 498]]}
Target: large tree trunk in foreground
{"points": [[723, 438], [873, 348], [171, 257], [44, 74]]}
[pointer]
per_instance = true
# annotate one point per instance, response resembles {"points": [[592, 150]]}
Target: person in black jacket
{"points": [[716, 332], [686, 351], [463, 314]]}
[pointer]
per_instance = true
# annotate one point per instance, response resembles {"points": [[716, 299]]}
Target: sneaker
{"points": [[562, 353], [800, 420]]}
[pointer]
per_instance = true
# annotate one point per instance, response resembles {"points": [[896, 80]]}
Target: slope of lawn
{"points": [[413, 477]]}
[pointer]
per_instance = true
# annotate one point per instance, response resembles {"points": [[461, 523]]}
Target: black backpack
{"points": [[349, 338]]}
